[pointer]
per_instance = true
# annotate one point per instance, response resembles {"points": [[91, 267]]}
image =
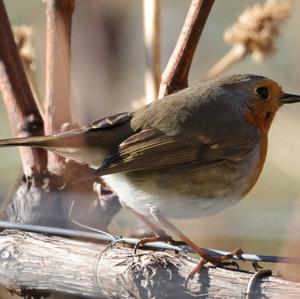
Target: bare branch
{"points": [[175, 75], [19, 102], [57, 104]]}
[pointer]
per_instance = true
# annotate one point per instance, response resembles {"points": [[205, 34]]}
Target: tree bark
{"points": [[37, 264]]}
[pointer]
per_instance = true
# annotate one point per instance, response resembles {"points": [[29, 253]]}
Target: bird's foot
{"points": [[218, 261], [257, 267]]}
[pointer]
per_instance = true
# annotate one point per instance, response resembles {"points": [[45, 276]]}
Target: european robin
{"points": [[190, 154]]}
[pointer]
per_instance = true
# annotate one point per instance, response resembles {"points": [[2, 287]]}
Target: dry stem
{"points": [[19, 102], [236, 53], [57, 104], [176, 73], [152, 47]]}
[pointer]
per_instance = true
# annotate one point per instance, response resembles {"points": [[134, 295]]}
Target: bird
{"points": [[190, 154]]}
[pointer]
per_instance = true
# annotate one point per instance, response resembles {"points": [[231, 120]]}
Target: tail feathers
{"points": [[35, 141]]}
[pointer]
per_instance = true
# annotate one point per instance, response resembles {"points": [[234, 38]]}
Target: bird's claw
{"points": [[219, 261], [229, 264], [256, 266]]}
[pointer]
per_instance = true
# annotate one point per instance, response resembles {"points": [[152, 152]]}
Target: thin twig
{"points": [[19, 102], [152, 48], [236, 53], [86, 226], [57, 104], [175, 75]]}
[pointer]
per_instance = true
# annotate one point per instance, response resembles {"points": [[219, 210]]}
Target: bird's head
{"points": [[262, 97]]}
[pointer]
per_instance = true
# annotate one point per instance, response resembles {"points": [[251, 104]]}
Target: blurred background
{"points": [[108, 65]]}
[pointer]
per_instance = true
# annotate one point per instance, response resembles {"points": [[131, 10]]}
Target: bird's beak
{"points": [[288, 98]]}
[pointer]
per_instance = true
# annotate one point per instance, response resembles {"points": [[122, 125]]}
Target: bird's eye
{"points": [[262, 92]]}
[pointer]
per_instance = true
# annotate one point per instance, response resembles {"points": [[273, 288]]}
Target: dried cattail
{"points": [[253, 34], [257, 27], [23, 38]]}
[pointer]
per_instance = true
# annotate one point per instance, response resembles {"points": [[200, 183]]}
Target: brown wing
{"points": [[151, 149]]}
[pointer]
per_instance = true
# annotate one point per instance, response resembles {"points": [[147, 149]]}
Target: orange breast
{"points": [[263, 147]]}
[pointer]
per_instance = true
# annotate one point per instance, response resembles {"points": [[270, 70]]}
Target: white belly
{"points": [[92, 156], [185, 193], [169, 203]]}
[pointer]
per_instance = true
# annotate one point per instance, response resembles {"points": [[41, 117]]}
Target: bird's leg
{"points": [[217, 261], [160, 235]]}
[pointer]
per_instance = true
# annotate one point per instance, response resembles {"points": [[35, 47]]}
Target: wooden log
{"points": [[33, 263]]}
